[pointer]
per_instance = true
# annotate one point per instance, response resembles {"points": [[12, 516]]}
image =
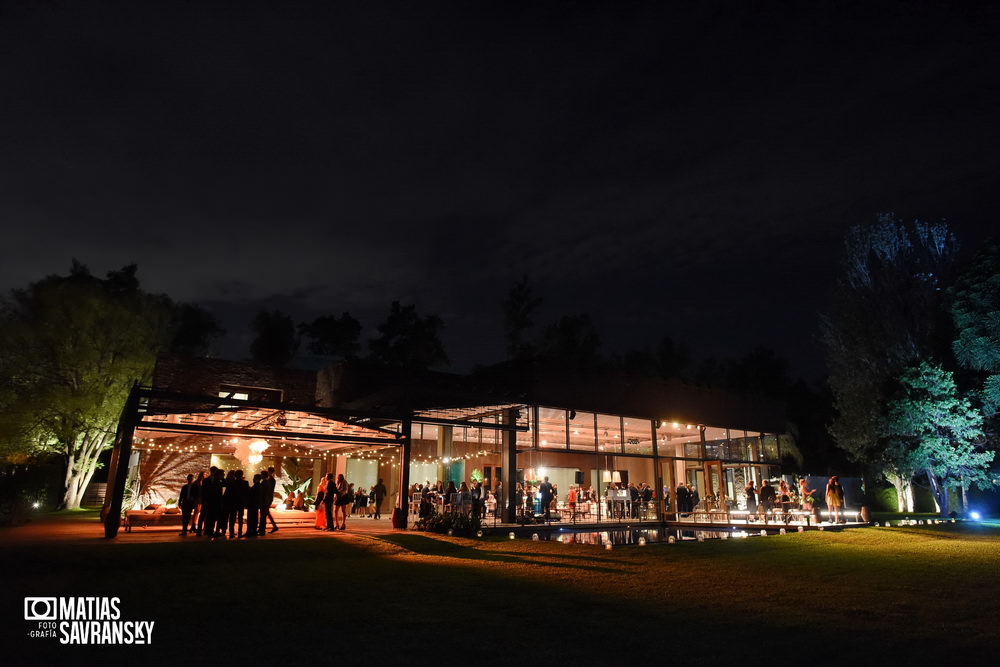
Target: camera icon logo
{"points": [[40, 609]]}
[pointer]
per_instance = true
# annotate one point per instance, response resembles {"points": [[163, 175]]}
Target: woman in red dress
{"points": [[320, 507]]}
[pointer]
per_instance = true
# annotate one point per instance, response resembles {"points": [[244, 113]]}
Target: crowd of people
{"points": [[766, 499], [474, 498], [218, 505], [531, 498], [337, 499]]}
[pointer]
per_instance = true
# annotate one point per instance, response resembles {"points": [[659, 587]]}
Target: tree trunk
{"points": [[81, 462], [940, 492], [68, 496], [904, 492]]}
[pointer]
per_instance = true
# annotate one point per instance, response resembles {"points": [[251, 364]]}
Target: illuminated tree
{"points": [[885, 315], [976, 313], [930, 429], [71, 348]]}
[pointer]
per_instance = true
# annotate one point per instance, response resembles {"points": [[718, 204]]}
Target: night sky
{"points": [[682, 169]]}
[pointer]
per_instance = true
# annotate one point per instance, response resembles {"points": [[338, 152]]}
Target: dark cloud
{"points": [[686, 170]]}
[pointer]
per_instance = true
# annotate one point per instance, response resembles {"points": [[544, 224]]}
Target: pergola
{"points": [[172, 421]]}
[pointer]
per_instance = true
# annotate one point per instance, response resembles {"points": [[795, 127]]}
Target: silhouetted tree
{"points": [[760, 372], [408, 340], [976, 314], [275, 341], [519, 309], [571, 342], [670, 359], [333, 336], [194, 330]]}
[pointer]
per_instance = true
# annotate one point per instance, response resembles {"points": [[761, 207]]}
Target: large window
{"points": [[582, 435], [638, 435], [526, 439], [677, 439], [551, 428], [609, 433], [716, 443]]}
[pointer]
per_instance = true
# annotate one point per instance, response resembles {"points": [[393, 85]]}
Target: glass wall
{"points": [[769, 444], [551, 428], [676, 439], [581, 449], [582, 431], [638, 435], [609, 433], [526, 439], [716, 443]]}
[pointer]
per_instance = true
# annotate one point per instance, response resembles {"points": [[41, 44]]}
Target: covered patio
{"points": [[174, 424]]}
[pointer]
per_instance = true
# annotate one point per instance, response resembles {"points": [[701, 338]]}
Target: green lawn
{"points": [[917, 593]]}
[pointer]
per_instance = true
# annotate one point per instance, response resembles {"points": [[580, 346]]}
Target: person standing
{"points": [[253, 507], [378, 493], [210, 522], [766, 498], [834, 498], [785, 498], [187, 500], [268, 481], [328, 503], [343, 503], [237, 494], [320, 504], [229, 502], [751, 500], [545, 494], [195, 528], [806, 496], [477, 498], [683, 499], [645, 498]]}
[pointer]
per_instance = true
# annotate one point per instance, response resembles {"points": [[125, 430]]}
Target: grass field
{"points": [[871, 594]]}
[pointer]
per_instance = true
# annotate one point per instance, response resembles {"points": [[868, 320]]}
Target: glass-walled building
{"points": [[614, 448], [595, 454]]}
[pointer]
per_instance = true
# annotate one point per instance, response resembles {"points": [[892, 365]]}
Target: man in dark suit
{"points": [[253, 506], [545, 494], [633, 499], [378, 495], [211, 504], [188, 501], [328, 500], [235, 500], [267, 483], [683, 499], [766, 498]]}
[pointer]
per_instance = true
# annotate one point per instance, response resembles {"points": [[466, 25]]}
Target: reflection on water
{"points": [[638, 536], [626, 536]]}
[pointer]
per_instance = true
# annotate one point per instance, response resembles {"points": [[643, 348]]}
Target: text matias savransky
{"points": [[84, 620]]}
